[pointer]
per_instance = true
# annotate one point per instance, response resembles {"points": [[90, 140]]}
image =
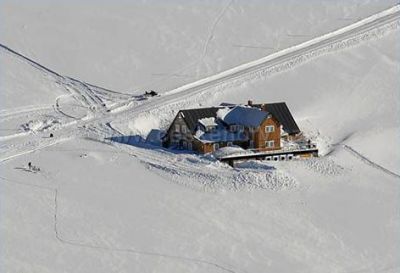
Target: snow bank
{"points": [[41, 125], [230, 151], [143, 124]]}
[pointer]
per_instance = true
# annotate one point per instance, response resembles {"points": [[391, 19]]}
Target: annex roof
{"points": [[192, 116]]}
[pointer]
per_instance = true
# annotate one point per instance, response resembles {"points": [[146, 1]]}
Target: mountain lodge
{"points": [[260, 127]]}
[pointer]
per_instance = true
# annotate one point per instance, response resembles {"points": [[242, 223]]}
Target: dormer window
{"points": [[210, 128], [208, 124]]}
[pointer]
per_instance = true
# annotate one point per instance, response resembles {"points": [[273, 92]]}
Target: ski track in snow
{"points": [[62, 240], [213, 27], [369, 162], [178, 73], [89, 93], [7, 114]]}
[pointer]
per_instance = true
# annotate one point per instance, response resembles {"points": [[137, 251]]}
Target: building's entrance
{"points": [[251, 145], [216, 146]]}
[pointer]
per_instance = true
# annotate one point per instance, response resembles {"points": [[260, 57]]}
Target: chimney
{"points": [[250, 103], [264, 107]]}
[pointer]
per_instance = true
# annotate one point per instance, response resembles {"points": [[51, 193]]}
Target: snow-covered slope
{"points": [[24, 86], [348, 97], [99, 205], [131, 46]]}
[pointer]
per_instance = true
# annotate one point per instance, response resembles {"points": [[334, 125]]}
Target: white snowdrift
{"points": [[230, 151]]}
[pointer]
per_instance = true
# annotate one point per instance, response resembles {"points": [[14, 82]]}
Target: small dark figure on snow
{"points": [[30, 165], [51, 135], [151, 93]]}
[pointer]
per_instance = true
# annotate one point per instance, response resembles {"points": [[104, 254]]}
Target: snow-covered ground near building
{"points": [[104, 200]]}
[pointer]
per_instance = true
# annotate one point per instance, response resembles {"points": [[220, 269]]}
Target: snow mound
{"points": [[142, 125], [230, 151], [210, 175], [41, 125], [323, 165], [256, 175]]}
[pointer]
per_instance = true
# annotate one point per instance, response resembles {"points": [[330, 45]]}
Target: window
{"points": [[270, 143], [216, 146], [230, 143], [177, 128], [210, 128], [184, 129], [236, 128], [269, 128]]}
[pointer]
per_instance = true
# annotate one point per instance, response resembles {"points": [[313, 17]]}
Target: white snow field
{"points": [[99, 204], [131, 46]]}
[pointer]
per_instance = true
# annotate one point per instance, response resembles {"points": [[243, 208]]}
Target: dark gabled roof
{"points": [[279, 110], [282, 113], [191, 116]]}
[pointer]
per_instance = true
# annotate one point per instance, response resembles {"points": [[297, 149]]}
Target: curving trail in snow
{"points": [[89, 95], [110, 248], [369, 162]]}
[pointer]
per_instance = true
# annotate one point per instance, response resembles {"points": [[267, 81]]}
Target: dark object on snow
{"points": [[151, 93], [32, 168], [51, 135]]}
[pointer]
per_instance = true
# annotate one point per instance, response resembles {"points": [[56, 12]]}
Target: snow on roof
{"points": [[192, 116], [208, 122], [220, 135], [242, 115]]}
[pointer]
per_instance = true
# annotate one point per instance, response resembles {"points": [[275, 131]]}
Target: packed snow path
{"points": [[88, 95]]}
